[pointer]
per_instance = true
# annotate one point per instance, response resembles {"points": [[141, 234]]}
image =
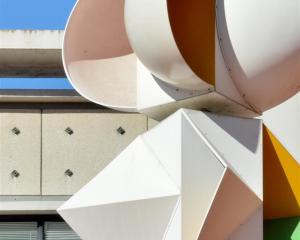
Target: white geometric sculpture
{"points": [[264, 58], [194, 176], [102, 67]]}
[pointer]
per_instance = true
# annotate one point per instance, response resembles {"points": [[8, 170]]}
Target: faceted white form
{"points": [[251, 229], [184, 179], [283, 121], [260, 41]]}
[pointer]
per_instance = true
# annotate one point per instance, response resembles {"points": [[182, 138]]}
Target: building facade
{"points": [[181, 122]]}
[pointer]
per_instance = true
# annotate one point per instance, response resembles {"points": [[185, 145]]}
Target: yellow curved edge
{"points": [[193, 26], [281, 180]]}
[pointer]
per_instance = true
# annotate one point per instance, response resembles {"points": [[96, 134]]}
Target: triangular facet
{"points": [[237, 140], [234, 203], [147, 219], [165, 143], [134, 175], [281, 180], [202, 173], [252, 229]]}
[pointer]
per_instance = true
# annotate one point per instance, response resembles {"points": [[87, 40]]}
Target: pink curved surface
{"points": [[97, 55], [263, 59], [234, 203]]}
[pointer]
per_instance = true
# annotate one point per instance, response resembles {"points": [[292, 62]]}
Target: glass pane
{"points": [[18, 230], [59, 231]]}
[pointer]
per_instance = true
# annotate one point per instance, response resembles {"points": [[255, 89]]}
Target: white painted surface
{"points": [[98, 59], [170, 155], [233, 204], [130, 177], [238, 141], [170, 176], [224, 83], [132, 198], [202, 173], [261, 46], [284, 123], [148, 20]]}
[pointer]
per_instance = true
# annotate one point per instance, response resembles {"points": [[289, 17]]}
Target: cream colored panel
{"points": [[95, 141], [20, 152]]}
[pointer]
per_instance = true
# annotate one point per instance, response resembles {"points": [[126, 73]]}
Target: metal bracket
{"points": [[16, 131], [69, 173], [121, 130], [15, 173], [69, 131]]}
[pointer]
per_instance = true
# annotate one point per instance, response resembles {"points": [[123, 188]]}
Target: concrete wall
{"points": [[20, 152], [42, 145]]}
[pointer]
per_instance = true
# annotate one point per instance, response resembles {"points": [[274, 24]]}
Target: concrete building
{"points": [[52, 142], [221, 159]]}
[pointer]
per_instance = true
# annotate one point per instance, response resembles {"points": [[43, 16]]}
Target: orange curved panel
{"points": [[193, 27], [281, 180]]}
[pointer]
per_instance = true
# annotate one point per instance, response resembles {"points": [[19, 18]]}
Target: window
{"points": [[36, 231], [18, 230]]}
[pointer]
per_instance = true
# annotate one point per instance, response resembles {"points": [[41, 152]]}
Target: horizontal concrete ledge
{"points": [[61, 96], [30, 204], [31, 53], [31, 39]]}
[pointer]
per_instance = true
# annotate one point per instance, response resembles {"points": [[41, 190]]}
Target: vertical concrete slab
{"points": [[20, 152], [97, 137]]}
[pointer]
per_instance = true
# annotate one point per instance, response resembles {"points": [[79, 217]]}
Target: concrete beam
{"points": [[31, 53], [48, 96], [15, 205]]}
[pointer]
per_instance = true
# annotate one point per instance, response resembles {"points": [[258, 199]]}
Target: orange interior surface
{"points": [[193, 26], [281, 180]]}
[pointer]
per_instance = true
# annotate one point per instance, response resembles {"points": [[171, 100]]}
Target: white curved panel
{"points": [[261, 47], [150, 34], [283, 121], [97, 55]]}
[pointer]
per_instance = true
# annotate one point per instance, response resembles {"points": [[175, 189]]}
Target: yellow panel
{"points": [[193, 26], [281, 180]]}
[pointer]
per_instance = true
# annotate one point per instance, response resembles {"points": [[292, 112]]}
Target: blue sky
{"points": [[34, 14], [35, 83]]}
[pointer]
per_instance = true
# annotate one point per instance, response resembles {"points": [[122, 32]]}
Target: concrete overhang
{"points": [[15, 205], [31, 53], [41, 96]]}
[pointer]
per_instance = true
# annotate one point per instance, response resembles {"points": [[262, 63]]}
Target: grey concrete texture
{"points": [[31, 53], [49, 144], [20, 152], [83, 142]]}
